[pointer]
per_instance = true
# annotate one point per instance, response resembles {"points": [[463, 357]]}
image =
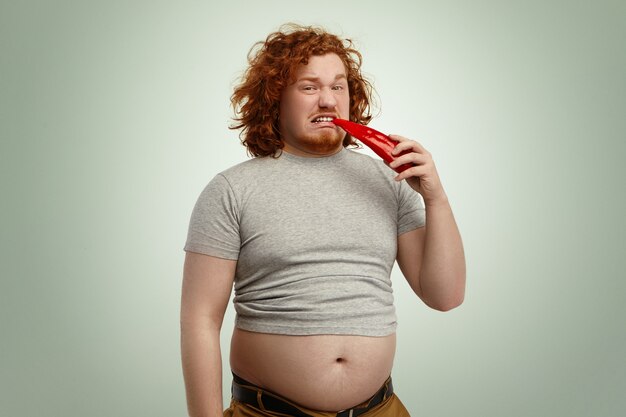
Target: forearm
{"points": [[442, 273], [202, 370]]}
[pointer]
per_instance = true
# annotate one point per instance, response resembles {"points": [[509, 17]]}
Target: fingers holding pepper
{"points": [[423, 176], [416, 166]]}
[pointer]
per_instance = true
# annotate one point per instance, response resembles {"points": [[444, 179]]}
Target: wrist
{"points": [[441, 201]]}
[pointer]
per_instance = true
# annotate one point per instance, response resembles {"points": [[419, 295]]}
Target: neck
{"points": [[307, 152]]}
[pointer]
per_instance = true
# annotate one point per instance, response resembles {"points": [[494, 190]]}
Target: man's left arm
{"points": [[431, 258]]}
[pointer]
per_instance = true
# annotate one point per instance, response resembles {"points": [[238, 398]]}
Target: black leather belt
{"points": [[250, 394]]}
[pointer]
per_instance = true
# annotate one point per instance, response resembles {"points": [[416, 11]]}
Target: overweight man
{"points": [[307, 231]]}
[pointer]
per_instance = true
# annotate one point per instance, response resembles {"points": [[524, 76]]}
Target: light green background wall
{"points": [[114, 114]]}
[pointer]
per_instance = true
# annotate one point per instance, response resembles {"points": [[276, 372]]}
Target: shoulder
{"points": [[375, 166], [376, 171], [247, 171], [246, 166]]}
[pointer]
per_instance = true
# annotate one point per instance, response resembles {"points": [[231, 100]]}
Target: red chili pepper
{"points": [[380, 143]]}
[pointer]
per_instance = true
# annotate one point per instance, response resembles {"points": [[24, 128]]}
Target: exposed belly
{"points": [[326, 372]]}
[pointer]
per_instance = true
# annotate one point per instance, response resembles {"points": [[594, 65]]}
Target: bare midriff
{"points": [[321, 372]]}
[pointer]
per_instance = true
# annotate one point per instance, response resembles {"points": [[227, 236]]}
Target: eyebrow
{"points": [[317, 79]]}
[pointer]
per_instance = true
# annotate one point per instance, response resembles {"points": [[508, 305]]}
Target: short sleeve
{"points": [[214, 224], [411, 210]]}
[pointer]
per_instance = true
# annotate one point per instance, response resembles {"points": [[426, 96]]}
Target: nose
{"points": [[327, 99]]}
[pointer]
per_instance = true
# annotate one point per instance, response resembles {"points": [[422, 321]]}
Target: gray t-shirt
{"points": [[315, 240]]}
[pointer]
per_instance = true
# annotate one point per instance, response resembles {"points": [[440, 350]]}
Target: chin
{"points": [[325, 141]]}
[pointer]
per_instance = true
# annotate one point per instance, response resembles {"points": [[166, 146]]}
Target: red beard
{"points": [[325, 141]]}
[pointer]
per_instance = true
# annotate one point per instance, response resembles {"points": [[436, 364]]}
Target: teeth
{"points": [[323, 119]]}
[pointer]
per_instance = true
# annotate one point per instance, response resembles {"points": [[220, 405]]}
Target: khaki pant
{"points": [[391, 407]]}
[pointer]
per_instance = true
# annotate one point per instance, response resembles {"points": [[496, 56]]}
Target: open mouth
{"points": [[323, 119]]}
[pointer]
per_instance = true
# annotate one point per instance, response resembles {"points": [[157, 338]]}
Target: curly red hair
{"points": [[272, 67]]}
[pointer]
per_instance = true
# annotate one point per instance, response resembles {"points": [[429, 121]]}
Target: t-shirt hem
{"points": [[207, 250], [316, 330], [411, 226]]}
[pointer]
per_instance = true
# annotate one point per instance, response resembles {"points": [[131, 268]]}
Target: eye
{"points": [[309, 88], [338, 87]]}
